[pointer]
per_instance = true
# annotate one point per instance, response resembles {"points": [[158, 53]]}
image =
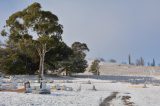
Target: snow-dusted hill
{"points": [[107, 68]]}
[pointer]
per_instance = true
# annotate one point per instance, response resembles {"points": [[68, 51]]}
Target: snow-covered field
{"points": [[139, 95]]}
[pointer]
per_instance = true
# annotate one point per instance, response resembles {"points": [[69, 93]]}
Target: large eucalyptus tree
{"points": [[35, 29]]}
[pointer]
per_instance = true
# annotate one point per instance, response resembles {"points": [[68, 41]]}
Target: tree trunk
{"points": [[40, 69], [41, 53], [42, 64]]}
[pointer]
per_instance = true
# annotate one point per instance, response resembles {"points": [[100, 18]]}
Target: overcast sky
{"points": [[110, 28]]}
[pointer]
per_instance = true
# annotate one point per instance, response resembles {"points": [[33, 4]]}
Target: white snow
{"points": [[86, 97]]}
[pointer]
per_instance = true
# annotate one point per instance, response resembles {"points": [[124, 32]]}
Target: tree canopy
{"points": [[35, 43], [95, 67]]}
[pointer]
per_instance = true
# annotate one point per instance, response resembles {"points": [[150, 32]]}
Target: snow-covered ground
{"points": [[140, 95]]}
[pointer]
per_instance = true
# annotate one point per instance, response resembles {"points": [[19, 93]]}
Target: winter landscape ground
{"points": [[89, 90]]}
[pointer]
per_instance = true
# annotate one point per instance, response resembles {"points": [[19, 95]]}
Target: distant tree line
{"points": [[140, 62]]}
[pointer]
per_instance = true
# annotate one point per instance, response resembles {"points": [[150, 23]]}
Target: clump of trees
{"points": [[153, 63], [140, 62], [34, 44], [112, 61], [95, 67]]}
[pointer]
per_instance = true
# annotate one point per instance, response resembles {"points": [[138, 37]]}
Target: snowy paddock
{"points": [[138, 94]]}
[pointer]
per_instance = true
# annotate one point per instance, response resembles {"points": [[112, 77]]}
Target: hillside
{"points": [[129, 70]]}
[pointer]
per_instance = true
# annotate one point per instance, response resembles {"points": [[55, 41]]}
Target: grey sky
{"points": [[111, 28]]}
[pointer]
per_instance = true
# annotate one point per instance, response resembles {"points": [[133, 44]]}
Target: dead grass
{"points": [[22, 90]]}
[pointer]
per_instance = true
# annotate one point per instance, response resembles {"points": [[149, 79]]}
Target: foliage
{"points": [[112, 61], [153, 63], [14, 62], [102, 59], [140, 62], [23, 26], [76, 62], [58, 56], [129, 59], [95, 67], [35, 43]]}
